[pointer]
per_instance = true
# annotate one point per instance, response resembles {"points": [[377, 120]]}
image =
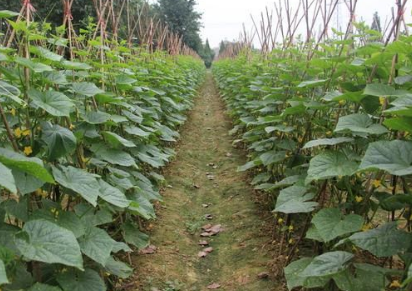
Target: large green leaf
{"points": [[113, 195], [79, 181], [394, 157], [329, 165], [118, 268], [327, 142], [366, 277], [383, 241], [97, 245], [60, 141], [11, 92], [86, 89], [43, 287], [327, 264], [359, 123], [6, 179], [55, 103], [295, 199], [44, 241], [312, 83], [3, 275], [116, 140], [132, 235], [134, 130], [8, 14], [32, 166], [45, 53], [89, 280], [27, 183], [96, 117], [379, 90], [330, 223], [114, 156], [402, 123], [272, 157], [294, 278]]}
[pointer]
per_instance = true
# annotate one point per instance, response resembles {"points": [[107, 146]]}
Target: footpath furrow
{"points": [[207, 202]]}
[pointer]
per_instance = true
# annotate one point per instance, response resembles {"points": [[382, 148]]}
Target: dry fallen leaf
{"points": [[206, 227], [196, 186], [149, 250], [209, 216], [203, 243], [208, 250], [206, 234], [205, 205], [228, 155], [263, 275], [202, 254], [214, 286]]}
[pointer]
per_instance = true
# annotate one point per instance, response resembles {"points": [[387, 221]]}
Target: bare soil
{"points": [[202, 181]]}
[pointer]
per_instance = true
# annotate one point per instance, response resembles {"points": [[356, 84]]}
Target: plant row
{"points": [[82, 142], [328, 131]]}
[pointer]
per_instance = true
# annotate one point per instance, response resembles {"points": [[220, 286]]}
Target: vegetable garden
{"points": [[327, 122], [86, 122]]}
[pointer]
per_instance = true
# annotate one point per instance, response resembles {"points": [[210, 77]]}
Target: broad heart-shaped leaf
{"points": [[327, 264], [379, 90], [114, 156], [384, 241], [79, 181], [113, 195], [330, 164], [327, 142], [86, 89], [295, 199], [132, 235], [44, 241], [32, 166], [359, 123], [8, 14], [43, 287], [96, 117], [11, 92], [60, 141], [27, 183], [45, 53], [134, 130], [3, 275], [394, 157], [118, 268], [330, 223], [294, 279], [55, 103], [402, 123], [367, 277], [116, 140], [272, 157], [97, 244], [6, 179], [89, 280]]}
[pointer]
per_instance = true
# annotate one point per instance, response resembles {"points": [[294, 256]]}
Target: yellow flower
{"points": [[342, 102], [291, 241], [382, 100], [26, 132], [72, 127], [27, 150], [13, 111], [42, 193], [328, 133], [359, 199], [280, 220], [376, 183], [395, 284], [290, 228], [300, 139], [17, 132], [366, 227]]}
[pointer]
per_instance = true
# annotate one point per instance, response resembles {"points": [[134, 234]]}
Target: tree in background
{"points": [[207, 54], [180, 16]]}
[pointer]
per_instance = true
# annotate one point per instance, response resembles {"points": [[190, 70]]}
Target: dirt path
{"points": [[204, 174]]}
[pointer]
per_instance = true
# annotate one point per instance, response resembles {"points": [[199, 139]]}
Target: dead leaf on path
{"points": [[203, 243], [209, 216], [205, 205], [149, 250], [243, 280], [208, 250], [216, 229], [206, 227], [202, 254], [228, 155], [196, 186], [169, 186], [210, 177], [206, 234], [263, 275], [214, 286], [211, 165]]}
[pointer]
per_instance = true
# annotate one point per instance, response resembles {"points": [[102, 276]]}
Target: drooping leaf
{"points": [[402, 123], [113, 195], [86, 89], [60, 141], [330, 164], [294, 278], [47, 242], [327, 264], [327, 142], [114, 156], [43, 287], [330, 223], [384, 241], [55, 103], [359, 123], [79, 181], [379, 90], [118, 268], [272, 157], [132, 235], [6, 179], [89, 280], [27, 183], [8, 14], [96, 117], [11, 92], [116, 140], [295, 199], [32, 166], [97, 244], [394, 157], [3, 275]]}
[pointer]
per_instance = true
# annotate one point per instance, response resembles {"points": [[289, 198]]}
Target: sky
{"points": [[223, 19]]}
